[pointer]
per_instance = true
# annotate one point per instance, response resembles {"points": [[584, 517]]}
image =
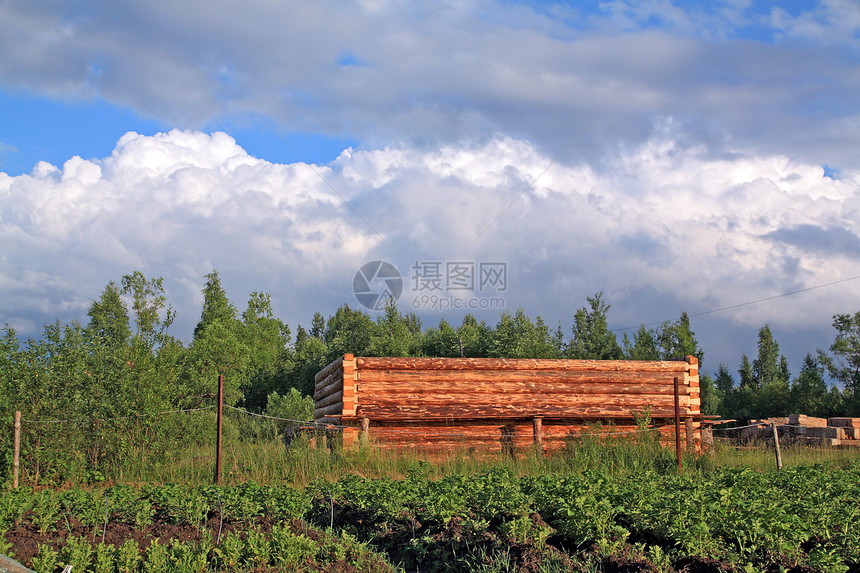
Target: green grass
{"points": [[252, 451]]}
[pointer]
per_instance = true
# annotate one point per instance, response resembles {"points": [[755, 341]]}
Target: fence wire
{"points": [[372, 430], [132, 417]]}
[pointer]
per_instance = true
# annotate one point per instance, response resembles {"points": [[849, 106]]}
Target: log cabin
{"points": [[493, 405]]}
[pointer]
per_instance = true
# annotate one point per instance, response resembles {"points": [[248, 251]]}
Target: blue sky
{"points": [[38, 128], [679, 156]]}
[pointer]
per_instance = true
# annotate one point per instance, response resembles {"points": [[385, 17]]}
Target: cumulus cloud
{"points": [[415, 74], [661, 228]]}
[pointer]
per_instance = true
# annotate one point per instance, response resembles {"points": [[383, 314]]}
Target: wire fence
{"points": [[326, 425], [511, 434], [132, 417]]}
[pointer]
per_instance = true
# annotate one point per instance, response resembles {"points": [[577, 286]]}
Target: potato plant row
{"points": [[807, 518]]}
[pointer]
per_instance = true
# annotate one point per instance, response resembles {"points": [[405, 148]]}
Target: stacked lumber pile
{"points": [[803, 429], [484, 404], [823, 431]]}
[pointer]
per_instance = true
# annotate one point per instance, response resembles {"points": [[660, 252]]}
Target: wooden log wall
{"points": [[497, 405], [328, 392]]}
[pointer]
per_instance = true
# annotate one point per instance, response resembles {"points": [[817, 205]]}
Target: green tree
{"points": [[218, 347], [294, 409], [724, 384], [394, 334], [475, 336], [516, 336], [216, 306], [748, 380], [809, 392], [676, 340], [318, 325], [310, 355], [846, 366], [266, 339], [708, 394], [147, 301], [747, 396], [592, 338], [767, 369], [348, 331], [11, 383], [109, 319], [442, 341], [643, 346], [770, 371]]}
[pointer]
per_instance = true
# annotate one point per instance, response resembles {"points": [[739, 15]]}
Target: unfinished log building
{"points": [[438, 405]]}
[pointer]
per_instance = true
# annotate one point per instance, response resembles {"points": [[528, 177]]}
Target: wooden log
{"points": [[502, 411], [808, 421], [328, 410], [389, 376], [333, 398], [826, 432], [332, 381], [332, 377], [468, 391], [520, 401], [524, 428], [844, 422], [335, 385], [387, 363], [330, 368], [350, 393]]}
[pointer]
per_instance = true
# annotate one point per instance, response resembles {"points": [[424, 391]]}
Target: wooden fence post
{"points": [[677, 425], [363, 438], [538, 433], [16, 456], [776, 446], [708, 437], [691, 434], [220, 427]]}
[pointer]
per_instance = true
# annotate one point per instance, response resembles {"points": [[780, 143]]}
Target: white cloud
{"points": [[389, 73], [830, 22], [662, 221]]}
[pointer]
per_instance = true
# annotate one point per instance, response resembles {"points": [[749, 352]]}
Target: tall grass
{"points": [[253, 450]]}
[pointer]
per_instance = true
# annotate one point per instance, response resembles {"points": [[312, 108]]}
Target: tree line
{"points": [[124, 362]]}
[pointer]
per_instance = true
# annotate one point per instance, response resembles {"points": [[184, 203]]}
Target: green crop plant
{"points": [[104, 559], [46, 559], [128, 557]]}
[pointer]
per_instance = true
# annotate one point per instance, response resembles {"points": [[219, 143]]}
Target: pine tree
{"points": [[809, 392], [218, 346], [592, 338]]}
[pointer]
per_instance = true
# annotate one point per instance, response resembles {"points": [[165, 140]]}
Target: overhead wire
{"points": [[742, 304]]}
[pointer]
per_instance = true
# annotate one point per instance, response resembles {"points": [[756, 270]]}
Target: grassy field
{"points": [[601, 504]]}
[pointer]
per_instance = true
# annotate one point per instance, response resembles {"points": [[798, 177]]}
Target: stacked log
{"points": [[329, 392], [497, 404], [476, 388], [803, 429], [849, 426]]}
